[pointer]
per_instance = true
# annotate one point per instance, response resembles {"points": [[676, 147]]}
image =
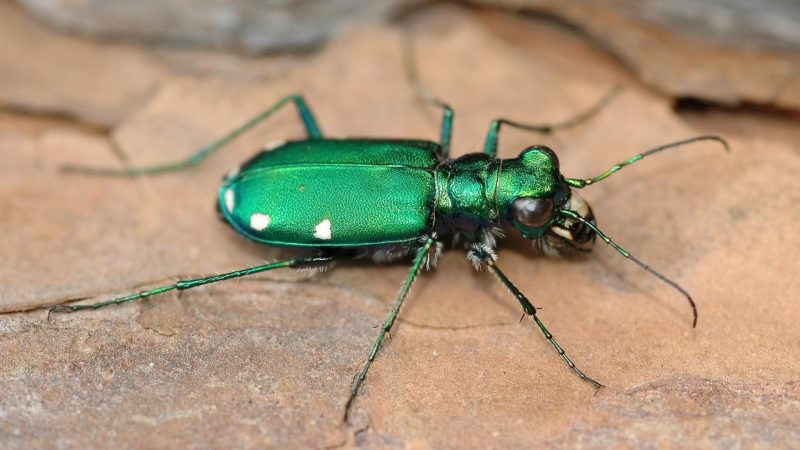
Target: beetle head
{"points": [[560, 212], [532, 193]]}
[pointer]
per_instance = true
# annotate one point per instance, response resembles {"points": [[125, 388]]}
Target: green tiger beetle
{"points": [[389, 199]]}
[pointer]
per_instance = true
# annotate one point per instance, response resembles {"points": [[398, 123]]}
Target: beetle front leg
{"points": [[446, 129], [492, 136], [310, 123], [480, 255], [386, 326]]}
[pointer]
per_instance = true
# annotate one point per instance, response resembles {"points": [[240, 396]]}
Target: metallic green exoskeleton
{"points": [[368, 192], [393, 199], [335, 193]]}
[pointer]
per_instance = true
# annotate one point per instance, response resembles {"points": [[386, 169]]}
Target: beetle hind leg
{"points": [[309, 122], [412, 74], [182, 285]]}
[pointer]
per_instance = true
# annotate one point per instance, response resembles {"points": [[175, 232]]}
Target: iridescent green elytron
{"points": [[387, 199]]}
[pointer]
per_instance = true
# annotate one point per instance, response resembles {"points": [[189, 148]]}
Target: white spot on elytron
{"points": [[275, 144], [229, 200], [259, 222], [233, 172], [323, 230]]}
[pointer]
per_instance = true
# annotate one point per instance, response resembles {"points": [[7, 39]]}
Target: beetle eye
{"points": [[532, 212], [550, 153]]}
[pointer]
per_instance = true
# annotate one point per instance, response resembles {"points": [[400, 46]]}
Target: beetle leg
{"points": [[446, 129], [183, 285], [478, 253], [312, 131], [389, 321], [490, 145]]}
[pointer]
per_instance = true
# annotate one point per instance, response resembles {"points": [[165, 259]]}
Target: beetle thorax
{"points": [[466, 193]]}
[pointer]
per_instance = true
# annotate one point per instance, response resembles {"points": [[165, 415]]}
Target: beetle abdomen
{"points": [[306, 201]]}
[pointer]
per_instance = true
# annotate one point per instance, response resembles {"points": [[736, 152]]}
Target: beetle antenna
{"points": [[575, 216], [579, 183]]}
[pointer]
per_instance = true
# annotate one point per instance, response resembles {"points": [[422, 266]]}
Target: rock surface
{"points": [[267, 361], [254, 26], [729, 52]]}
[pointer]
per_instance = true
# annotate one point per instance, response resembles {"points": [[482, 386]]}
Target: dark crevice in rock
{"points": [[159, 332], [541, 15], [681, 104], [695, 105], [454, 328], [359, 434]]}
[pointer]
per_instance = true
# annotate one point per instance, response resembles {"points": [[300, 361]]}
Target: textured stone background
{"points": [[730, 52], [267, 361], [253, 26]]}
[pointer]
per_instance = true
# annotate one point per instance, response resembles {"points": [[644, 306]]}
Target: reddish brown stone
{"points": [[754, 63], [267, 361]]}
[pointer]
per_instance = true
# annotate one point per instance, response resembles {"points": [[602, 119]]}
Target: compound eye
{"points": [[537, 151], [532, 212], [550, 153]]}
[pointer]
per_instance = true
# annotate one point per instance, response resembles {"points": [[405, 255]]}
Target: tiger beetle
{"points": [[391, 199]]}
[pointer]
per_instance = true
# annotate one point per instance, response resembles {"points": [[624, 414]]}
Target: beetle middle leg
{"points": [[480, 254], [492, 136], [310, 123], [386, 326], [446, 129], [182, 285]]}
